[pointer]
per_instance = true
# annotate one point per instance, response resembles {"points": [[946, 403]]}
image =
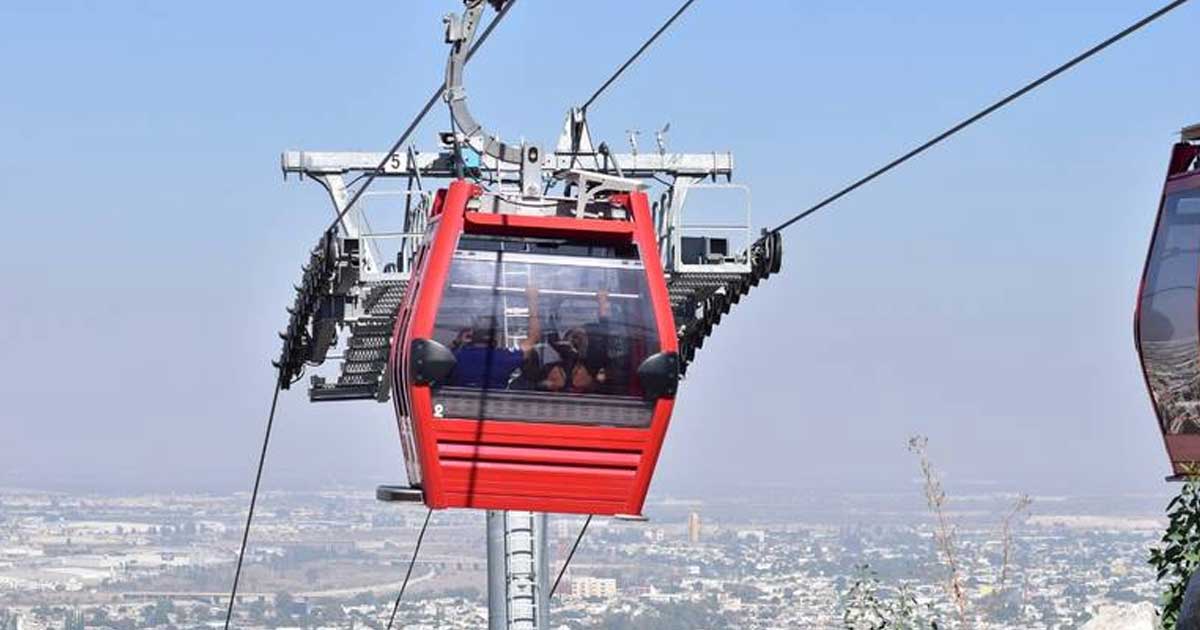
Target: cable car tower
{"points": [[530, 342]]}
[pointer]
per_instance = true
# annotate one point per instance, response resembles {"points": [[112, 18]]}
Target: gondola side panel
{"points": [[405, 423], [647, 242], [420, 326]]}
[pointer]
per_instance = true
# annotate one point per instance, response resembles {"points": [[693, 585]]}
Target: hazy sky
{"points": [[982, 295]]}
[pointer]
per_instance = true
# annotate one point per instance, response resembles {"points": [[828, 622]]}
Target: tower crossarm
{"points": [[441, 164]]}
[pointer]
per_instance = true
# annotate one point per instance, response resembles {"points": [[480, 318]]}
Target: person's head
{"points": [[546, 366], [577, 338], [463, 338], [483, 333]]}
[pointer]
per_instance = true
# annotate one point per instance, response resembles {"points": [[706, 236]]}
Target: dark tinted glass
{"points": [[545, 337], [548, 246], [1168, 324]]}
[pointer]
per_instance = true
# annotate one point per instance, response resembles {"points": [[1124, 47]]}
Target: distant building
{"points": [[694, 527], [752, 534], [594, 587], [11, 621]]}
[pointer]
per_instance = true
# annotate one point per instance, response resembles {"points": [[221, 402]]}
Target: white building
{"points": [[593, 587]]}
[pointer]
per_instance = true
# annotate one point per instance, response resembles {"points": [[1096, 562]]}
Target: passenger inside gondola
{"points": [[582, 360], [572, 364], [481, 362], [571, 372], [533, 332], [586, 362], [545, 371]]}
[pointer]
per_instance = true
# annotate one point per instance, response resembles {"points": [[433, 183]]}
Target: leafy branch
{"points": [[1178, 555], [867, 608]]}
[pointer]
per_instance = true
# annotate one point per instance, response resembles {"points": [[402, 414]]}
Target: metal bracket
{"points": [[399, 494], [592, 185], [460, 32], [739, 224]]}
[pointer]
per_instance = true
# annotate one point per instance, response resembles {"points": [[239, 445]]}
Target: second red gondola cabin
{"points": [[1167, 323]]}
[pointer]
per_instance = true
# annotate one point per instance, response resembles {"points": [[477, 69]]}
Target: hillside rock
{"points": [[1139, 616]]}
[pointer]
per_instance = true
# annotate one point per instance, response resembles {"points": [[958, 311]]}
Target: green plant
{"points": [[862, 609], [865, 607], [1178, 555]]}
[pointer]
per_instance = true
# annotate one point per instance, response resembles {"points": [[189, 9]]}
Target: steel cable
{"points": [[278, 384], [416, 121], [411, 563], [262, 458], [1029, 87], [567, 563], [637, 54]]}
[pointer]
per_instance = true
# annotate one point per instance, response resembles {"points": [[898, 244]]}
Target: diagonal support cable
{"points": [[567, 562], [628, 62], [1029, 87], [262, 458], [416, 121], [411, 563]]}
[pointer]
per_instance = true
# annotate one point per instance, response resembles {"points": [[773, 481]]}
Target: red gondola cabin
{"points": [[534, 358], [1167, 323]]}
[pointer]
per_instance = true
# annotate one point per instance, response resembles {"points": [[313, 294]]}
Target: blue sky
{"points": [[981, 295]]}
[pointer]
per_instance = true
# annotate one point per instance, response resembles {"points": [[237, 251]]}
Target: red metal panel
{"points": [[542, 475], [432, 277], [1182, 182], [550, 227], [647, 242], [1182, 157], [560, 482], [502, 432], [1184, 449], [512, 454]]}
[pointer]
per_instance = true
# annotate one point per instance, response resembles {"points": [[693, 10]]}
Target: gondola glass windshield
{"points": [[545, 332], [1168, 323]]}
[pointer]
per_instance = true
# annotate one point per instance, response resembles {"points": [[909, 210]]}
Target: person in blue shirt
{"points": [[480, 363]]}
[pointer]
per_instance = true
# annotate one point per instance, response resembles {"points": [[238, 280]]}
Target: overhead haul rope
{"points": [[985, 112], [262, 458], [567, 563], [278, 382], [637, 54], [407, 574], [628, 62], [420, 115]]}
